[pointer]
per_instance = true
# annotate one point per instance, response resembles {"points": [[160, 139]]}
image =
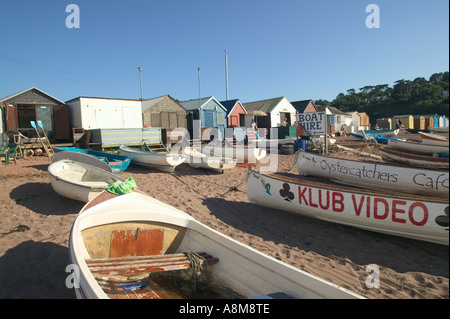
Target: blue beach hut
{"points": [[208, 111]]}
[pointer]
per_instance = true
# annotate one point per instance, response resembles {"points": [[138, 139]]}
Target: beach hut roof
{"points": [[100, 98], [335, 110], [198, 103], [300, 106], [230, 104], [9, 97], [264, 105], [401, 116], [149, 103]]}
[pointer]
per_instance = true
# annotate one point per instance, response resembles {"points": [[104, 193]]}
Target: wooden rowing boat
{"points": [[79, 181], [163, 161], [415, 160], [438, 129], [414, 147], [434, 139], [116, 163], [197, 159], [416, 217], [134, 246], [376, 175]]}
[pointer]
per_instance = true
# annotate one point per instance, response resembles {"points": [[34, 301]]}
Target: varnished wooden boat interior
{"points": [[142, 256], [134, 246]]}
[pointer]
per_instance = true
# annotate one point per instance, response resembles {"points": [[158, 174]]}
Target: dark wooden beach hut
{"points": [[35, 105], [166, 113], [419, 122]]}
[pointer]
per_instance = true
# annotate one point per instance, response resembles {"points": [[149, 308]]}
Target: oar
{"points": [[48, 141], [42, 142]]}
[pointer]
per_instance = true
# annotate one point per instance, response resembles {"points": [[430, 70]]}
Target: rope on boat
{"points": [[196, 262], [197, 267], [295, 161]]}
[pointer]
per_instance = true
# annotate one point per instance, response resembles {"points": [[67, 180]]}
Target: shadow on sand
{"points": [[35, 270], [328, 239], [42, 199]]}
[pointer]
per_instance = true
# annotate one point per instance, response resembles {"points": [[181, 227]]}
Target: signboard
{"points": [[315, 123]]}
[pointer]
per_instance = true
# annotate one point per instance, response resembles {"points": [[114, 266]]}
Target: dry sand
{"points": [[33, 261]]}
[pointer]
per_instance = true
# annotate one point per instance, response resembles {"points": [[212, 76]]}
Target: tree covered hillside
{"points": [[417, 97]]}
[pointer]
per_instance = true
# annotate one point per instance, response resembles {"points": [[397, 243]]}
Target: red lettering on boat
{"points": [[396, 210], [411, 214], [376, 213], [338, 200]]}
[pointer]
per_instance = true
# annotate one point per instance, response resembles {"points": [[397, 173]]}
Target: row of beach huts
{"points": [[112, 121]]}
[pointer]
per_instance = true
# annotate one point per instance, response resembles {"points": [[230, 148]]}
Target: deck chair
{"points": [[12, 152], [4, 153], [368, 139]]}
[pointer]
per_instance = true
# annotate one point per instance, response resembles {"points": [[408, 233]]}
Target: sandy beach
{"points": [[35, 223]]}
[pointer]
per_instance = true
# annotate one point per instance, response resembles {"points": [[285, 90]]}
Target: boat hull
{"points": [[434, 139], [376, 175], [414, 159], [166, 162], [240, 268], [241, 154], [383, 132], [382, 139], [405, 216], [198, 159], [416, 147], [79, 181], [117, 163]]}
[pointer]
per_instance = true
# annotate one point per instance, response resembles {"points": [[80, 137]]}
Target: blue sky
{"points": [[297, 49]]}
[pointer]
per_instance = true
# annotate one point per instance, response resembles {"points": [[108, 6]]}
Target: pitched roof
{"points": [[149, 103], [230, 104], [321, 108], [264, 105], [195, 103], [9, 97], [198, 103], [300, 106], [337, 111]]}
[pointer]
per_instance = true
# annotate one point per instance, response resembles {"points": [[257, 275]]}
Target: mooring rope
{"points": [[295, 161]]}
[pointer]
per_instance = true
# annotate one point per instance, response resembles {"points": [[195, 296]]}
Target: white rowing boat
{"points": [[134, 246], [416, 217], [415, 160], [197, 159], [376, 175], [415, 147], [163, 161], [79, 181], [242, 153], [434, 139]]}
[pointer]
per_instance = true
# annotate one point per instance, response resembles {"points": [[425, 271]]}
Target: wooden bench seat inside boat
{"points": [[125, 266]]}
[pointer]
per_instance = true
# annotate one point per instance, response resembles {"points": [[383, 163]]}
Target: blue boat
{"points": [[382, 139], [383, 132], [117, 163]]}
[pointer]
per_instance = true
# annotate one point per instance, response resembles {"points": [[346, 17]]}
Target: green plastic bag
{"points": [[122, 188]]}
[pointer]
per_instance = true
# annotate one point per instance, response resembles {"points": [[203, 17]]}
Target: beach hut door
{"points": [[209, 119]]}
